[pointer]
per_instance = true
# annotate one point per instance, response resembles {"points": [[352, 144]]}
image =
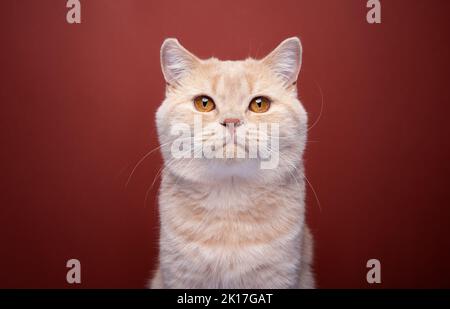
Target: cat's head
{"points": [[216, 114]]}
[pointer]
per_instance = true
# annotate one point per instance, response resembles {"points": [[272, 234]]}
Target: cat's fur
{"points": [[227, 223]]}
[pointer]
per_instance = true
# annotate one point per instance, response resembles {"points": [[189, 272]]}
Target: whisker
{"points": [[313, 190], [321, 106], [304, 176], [194, 139], [142, 160], [172, 162]]}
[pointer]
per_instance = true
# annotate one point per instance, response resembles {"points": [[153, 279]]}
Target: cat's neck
{"points": [[231, 195]]}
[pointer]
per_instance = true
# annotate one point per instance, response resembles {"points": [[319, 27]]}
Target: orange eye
{"points": [[259, 105], [204, 104]]}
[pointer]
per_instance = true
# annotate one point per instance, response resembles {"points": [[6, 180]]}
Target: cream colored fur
{"points": [[227, 223]]}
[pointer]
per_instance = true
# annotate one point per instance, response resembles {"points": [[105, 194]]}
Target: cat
{"points": [[228, 222]]}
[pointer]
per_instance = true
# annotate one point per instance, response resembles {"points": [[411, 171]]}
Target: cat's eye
{"points": [[204, 104], [259, 105]]}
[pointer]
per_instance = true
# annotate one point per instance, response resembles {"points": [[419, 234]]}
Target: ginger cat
{"points": [[227, 221]]}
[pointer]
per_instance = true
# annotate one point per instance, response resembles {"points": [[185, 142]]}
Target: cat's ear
{"points": [[286, 60], [176, 61]]}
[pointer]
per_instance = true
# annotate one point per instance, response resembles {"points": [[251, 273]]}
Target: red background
{"points": [[77, 112]]}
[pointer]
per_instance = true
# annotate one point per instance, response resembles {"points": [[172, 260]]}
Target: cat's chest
{"points": [[224, 232], [228, 217]]}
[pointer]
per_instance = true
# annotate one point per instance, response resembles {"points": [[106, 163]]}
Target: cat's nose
{"points": [[231, 121]]}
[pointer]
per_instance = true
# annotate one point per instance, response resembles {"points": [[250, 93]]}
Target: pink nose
{"points": [[235, 121]]}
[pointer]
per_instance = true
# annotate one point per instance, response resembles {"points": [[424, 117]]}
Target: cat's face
{"points": [[224, 119]]}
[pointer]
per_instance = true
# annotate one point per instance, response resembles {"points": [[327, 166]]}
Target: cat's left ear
{"points": [[176, 61], [286, 60]]}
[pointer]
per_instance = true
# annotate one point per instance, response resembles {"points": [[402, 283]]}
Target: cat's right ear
{"points": [[176, 61]]}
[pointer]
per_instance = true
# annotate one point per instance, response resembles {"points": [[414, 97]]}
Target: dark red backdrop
{"points": [[77, 112]]}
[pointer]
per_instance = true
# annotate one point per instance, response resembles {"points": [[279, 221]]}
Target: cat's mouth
{"points": [[233, 149]]}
